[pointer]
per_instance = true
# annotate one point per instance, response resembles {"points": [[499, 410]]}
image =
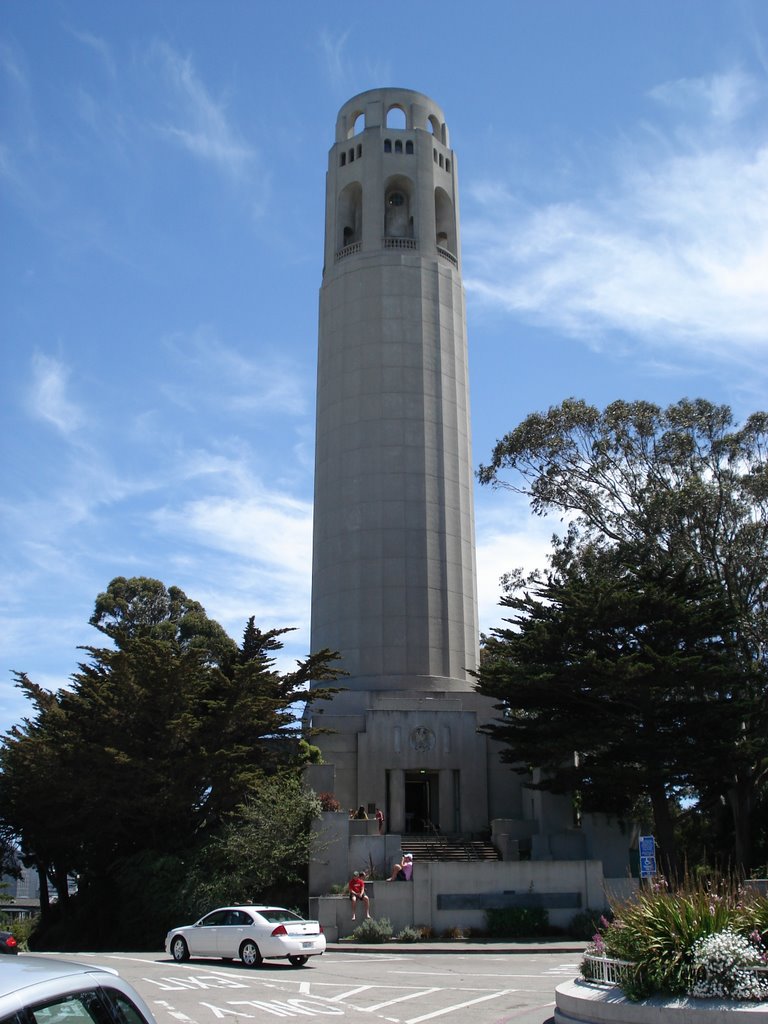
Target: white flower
{"points": [[723, 963]]}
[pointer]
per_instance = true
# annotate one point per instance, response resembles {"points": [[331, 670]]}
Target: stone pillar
{"points": [[447, 800], [396, 800]]}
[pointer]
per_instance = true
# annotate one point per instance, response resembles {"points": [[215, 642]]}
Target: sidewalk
{"points": [[465, 947]]}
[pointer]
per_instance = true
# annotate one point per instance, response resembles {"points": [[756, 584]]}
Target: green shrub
{"points": [[517, 922], [409, 934], [372, 930]]}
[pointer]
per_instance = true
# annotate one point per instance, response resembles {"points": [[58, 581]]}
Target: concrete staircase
{"points": [[430, 846]]}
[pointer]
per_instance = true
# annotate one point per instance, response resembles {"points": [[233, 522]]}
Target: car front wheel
{"points": [[297, 961], [250, 955], [179, 950]]}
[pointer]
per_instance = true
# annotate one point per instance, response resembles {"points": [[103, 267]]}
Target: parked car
{"points": [[43, 990], [8, 943], [251, 933]]}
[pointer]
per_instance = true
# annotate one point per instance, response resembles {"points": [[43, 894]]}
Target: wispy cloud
{"points": [[332, 56], [99, 46], [201, 124], [251, 555], [219, 374], [676, 250], [48, 398], [265, 526]]}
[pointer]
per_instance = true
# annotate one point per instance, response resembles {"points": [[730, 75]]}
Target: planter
{"points": [[582, 1002]]}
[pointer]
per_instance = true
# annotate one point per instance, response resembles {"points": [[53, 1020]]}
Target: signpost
{"points": [[647, 850]]}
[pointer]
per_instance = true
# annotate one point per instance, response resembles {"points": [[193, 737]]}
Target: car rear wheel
{"points": [[250, 955], [179, 950], [297, 961]]}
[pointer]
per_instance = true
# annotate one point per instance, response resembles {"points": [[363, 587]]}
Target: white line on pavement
{"points": [[460, 1006], [400, 999], [352, 992]]}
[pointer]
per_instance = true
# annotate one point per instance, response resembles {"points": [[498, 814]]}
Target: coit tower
{"points": [[393, 576]]}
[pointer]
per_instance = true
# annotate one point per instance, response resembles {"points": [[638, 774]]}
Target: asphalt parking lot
{"points": [[400, 986]]}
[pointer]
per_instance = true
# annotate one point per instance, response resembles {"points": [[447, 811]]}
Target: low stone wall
{"points": [[578, 1002], [445, 895]]}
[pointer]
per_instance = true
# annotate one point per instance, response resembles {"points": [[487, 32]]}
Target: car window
{"points": [[217, 917], [83, 1008], [239, 917], [127, 1013], [278, 914]]}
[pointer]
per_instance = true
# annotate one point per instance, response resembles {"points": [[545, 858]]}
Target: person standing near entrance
{"points": [[357, 892], [380, 820]]}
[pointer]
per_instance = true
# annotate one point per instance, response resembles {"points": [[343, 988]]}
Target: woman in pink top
{"points": [[402, 872]]}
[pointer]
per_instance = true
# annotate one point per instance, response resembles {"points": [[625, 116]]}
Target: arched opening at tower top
{"points": [[358, 124], [436, 127], [396, 118]]}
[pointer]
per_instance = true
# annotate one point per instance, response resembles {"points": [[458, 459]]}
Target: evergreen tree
{"points": [[155, 742], [609, 678], [686, 487]]}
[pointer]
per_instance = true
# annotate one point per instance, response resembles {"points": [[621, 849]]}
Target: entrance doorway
{"points": [[422, 810]]}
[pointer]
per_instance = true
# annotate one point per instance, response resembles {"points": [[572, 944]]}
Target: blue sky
{"points": [[162, 168]]}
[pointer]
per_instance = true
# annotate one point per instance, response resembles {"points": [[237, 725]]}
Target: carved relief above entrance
{"points": [[422, 739]]}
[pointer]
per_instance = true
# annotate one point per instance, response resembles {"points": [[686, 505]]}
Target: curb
{"points": [[465, 948]]}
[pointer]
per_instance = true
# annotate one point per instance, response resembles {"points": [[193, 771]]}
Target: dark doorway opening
{"points": [[422, 811]]}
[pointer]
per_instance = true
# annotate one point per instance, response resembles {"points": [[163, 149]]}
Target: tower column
{"points": [[396, 800]]}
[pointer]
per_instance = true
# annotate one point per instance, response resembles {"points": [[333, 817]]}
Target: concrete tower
{"points": [[393, 577], [393, 583]]}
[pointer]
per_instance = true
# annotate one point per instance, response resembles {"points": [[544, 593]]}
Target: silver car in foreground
{"points": [[43, 990], [251, 933]]}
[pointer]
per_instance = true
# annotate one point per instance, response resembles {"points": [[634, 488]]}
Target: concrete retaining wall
{"points": [[578, 1002], [445, 895]]}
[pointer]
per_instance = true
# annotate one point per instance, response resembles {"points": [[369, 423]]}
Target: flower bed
{"points": [[695, 941]]}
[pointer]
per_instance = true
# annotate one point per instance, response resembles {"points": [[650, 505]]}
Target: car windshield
{"points": [[277, 915]]}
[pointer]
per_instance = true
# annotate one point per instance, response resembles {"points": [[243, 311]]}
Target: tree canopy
{"points": [[157, 741], [658, 501]]}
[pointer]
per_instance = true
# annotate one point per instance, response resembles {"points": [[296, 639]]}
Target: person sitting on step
{"points": [[402, 872]]}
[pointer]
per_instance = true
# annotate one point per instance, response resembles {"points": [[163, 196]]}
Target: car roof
{"points": [[251, 906], [31, 978], [24, 971]]}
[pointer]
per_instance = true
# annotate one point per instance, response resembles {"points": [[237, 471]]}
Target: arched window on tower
{"points": [[445, 222], [396, 118], [437, 129], [398, 221], [387, 145], [398, 146], [349, 216], [409, 146]]}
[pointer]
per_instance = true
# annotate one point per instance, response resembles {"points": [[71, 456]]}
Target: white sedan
{"points": [[251, 933]]}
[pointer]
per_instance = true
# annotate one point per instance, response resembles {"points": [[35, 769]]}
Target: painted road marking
{"points": [[351, 992], [460, 1006], [176, 1014], [400, 999]]}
